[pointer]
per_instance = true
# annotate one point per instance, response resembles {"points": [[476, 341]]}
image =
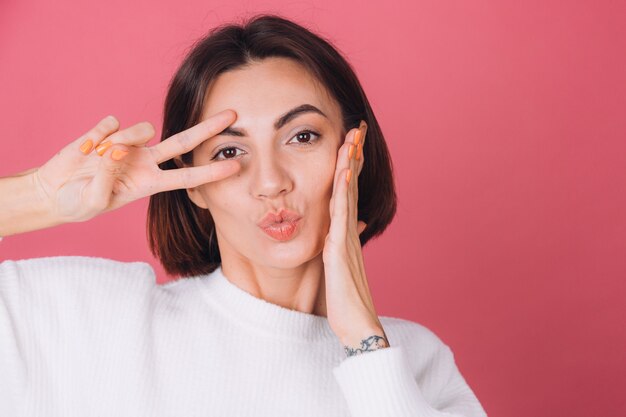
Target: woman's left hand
{"points": [[349, 306]]}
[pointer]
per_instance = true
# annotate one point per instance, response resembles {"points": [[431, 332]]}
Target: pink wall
{"points": [[507, 124]]}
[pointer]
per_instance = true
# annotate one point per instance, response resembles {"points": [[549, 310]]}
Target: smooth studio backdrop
{"points": [[506, 125]]}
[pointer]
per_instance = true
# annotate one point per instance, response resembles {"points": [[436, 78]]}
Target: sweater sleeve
{"points": [[381, 383], [12, 370], [47, 309]]}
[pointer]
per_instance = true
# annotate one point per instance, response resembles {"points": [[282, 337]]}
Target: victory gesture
{"points": [[107, 168], [350, 309]]}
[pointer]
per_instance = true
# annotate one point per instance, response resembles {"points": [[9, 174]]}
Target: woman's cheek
{"points": [[217, 195]]}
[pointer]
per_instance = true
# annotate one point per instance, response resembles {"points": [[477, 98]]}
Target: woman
{"points": [[270, 176]]}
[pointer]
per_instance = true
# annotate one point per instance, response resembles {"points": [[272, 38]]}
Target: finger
{"points": [[97, 193], [353, 190], [343, 162], [87, 142], [350, 181], [187, 140], [135, 135], [359, 154], [174, 179], [339, 220], [343, 159]]}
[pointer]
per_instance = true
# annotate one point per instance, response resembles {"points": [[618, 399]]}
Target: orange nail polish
{"points": [[102, 148], [86, 146], [359, 151], [348, 175], [118, 154], [350, 151]]}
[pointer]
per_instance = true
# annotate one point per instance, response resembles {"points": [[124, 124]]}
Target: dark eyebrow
{"points": [[280, 122]]}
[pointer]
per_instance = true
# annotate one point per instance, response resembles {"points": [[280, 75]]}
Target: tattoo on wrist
{"points": [[367, 345]]}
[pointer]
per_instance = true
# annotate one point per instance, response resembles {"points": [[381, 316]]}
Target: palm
{"points": [[134, 179]]}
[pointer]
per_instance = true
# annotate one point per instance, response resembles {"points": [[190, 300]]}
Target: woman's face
{"points": [[282, 165]]}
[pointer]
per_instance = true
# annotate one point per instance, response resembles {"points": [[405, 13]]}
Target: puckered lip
{"points": [[283, 215]]}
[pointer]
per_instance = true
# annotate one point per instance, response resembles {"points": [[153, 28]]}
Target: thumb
{"points": [[98, 192]]}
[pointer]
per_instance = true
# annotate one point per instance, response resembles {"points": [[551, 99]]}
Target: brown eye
{"points": [[304, 137], [229, 153]]}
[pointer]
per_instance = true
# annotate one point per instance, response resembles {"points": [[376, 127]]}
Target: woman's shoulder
{"points": [[75, 263], [75, 271]]}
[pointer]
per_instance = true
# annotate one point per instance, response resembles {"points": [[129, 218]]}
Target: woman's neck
{"points": [[301, 288]]}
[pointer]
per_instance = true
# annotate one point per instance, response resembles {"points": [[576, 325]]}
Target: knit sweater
{"points": [[86, 336]]}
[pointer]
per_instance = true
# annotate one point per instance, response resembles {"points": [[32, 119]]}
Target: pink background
{"points": [[506, 122]]}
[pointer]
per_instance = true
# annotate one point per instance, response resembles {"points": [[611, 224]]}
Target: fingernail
{"points": [[357, 136], [359, 151], [86, 146], [348, 175], [118, 154], [102, 148], [350, 151], [363, 129]]}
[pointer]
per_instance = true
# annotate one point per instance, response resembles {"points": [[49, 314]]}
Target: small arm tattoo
{"points": [[367, 345]]}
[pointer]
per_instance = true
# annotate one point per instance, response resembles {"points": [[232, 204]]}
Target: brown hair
{"points": [[181, 234]]}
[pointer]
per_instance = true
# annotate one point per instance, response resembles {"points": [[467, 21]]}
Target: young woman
{"points": [[271, 175]]}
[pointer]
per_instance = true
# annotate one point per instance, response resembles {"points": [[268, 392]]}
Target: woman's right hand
{"points": [[78, 186]]}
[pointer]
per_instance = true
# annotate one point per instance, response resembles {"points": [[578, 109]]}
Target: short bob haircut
{"points": [[181, 234]]}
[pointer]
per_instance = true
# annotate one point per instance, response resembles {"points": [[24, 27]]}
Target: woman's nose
{"points": [[270, 177]]}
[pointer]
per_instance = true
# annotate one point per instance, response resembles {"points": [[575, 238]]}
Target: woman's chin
{"points": [[289, 254]]}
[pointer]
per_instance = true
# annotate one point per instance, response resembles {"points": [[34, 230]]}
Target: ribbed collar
{"points": [[261, 314]]}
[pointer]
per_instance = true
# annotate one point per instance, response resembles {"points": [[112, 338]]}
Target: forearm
{"points": [[22, 208]]}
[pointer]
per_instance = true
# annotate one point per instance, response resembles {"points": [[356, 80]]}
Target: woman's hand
{"points": [[79, 183], [349, 306]]}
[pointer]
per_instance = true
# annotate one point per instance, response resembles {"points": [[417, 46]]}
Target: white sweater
{"points": [[86, 336]]}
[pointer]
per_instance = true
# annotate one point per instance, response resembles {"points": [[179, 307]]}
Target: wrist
{"points": [[23, 207], [363, 342]]}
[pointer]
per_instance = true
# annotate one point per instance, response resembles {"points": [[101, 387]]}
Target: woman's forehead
{"points": [[268, 88]]}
